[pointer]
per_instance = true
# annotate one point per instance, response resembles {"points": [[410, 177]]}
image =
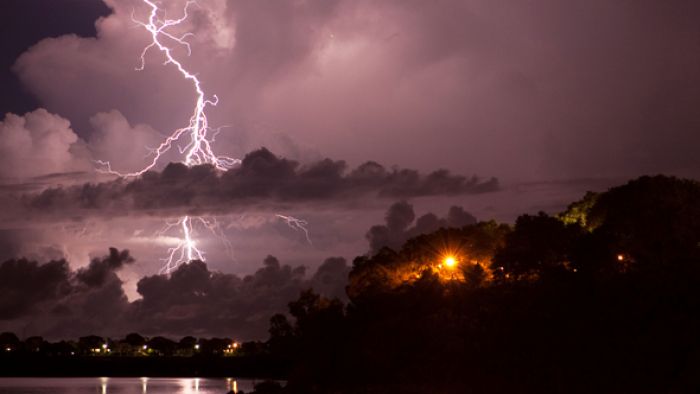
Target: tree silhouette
{"points": [[537, 246]]}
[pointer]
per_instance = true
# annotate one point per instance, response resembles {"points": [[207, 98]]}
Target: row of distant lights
{"points": [[98, 350], [9, 349], [229, 349]]}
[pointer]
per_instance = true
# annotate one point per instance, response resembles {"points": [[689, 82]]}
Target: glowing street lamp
{"points": [[449, 261]]}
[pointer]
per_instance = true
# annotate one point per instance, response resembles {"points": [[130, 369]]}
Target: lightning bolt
{"points": [[185, 251], [297, 225], [198, 149]]}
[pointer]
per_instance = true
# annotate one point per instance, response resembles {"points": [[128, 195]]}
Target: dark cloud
{"points": [[51, 300], [10, 243], [100, 270], [24, 284], [400, 216], [98, 307], [331, 278], [262, 179], [197, 301]]}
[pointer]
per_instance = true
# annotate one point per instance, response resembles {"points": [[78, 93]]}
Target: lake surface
{"points": [[124, 385]]}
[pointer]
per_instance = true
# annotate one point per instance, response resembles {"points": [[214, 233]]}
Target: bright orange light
{"points": [[449, 261], [620, 257]]}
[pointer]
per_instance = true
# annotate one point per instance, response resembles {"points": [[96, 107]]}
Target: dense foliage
{"points": [[604, 297]]}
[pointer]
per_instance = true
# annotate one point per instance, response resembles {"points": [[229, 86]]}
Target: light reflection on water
{"points": [[124, 385]]}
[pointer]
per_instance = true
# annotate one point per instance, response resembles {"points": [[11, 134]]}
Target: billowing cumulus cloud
{"points": [[195, 300], [398, 229], [99, 270], [124, 146], [528, 90], [331, 277], [24, 284], [50, 299], [39, 143], [262, 181]]}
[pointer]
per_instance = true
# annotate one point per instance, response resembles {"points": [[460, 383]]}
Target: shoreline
{"points": [[158, 367]]}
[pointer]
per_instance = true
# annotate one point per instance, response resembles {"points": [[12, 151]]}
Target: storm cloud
{"points": [[38, 143], [525, 90], [398, 229], [262, 179], [24, 284], [51, 300]]}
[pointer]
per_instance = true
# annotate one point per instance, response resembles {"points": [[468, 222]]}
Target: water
{"points": [[123, 385]]}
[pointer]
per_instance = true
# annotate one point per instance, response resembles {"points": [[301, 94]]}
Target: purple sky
{"points": [[551, 98]]}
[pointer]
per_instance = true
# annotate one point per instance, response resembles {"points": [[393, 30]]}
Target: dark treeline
{"points": [[135, 355], [603, 297], [131, 345]]}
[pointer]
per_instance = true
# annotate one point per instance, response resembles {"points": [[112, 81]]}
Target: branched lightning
{"points": [[185, 251], [198, 149], [297, 225]]}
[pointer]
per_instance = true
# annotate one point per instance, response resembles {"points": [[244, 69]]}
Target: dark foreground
{"points": [[602, 298]]}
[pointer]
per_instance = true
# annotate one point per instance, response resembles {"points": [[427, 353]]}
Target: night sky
{"points": [[465, 110]]}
